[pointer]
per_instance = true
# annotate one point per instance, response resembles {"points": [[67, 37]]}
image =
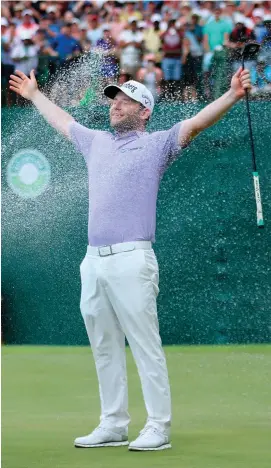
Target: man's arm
{"points": [[28, 88], [212, 113]]}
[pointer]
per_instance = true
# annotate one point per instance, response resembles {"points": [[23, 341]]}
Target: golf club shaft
{"points": [[260, 221]]}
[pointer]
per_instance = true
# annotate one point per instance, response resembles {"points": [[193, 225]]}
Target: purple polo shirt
{"points": [[124, 172]]}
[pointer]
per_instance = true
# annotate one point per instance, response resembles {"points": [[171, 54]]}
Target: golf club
{"points": [[248, 52]]}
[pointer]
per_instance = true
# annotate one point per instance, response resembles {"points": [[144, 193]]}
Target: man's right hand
{"points": [[22, 85]]}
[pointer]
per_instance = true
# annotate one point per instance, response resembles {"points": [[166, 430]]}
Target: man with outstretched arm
{"points": [[120, 273]]}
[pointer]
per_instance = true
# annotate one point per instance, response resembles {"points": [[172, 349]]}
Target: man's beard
{"points": [[129, 124]]}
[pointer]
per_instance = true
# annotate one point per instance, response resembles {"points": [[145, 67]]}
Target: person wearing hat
{"points": [[150, 75], [24, 53], [130, 45], [120, 273], [94, 32], [17, 13], [28, 24]]}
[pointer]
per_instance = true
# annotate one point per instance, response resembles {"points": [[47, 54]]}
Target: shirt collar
{"points": [[120, 135]]}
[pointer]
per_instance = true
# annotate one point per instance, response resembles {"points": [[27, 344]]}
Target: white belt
{"points": [[106, 250]]}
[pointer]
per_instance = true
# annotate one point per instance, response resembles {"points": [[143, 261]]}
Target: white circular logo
{"points": [[28, 173]]}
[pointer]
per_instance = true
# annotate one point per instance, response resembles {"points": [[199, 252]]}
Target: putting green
{"points": [[221, 399]]}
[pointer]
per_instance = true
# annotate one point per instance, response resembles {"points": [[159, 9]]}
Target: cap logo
{"points": [[146, 99], [131, 87]]}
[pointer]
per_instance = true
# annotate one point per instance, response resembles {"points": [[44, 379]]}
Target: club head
{"points": [[250, 50]]}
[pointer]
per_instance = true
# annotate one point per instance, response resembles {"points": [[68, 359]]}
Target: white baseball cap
{"points": [[156, 17], [27, 12], [135, 90], [51, 9]]}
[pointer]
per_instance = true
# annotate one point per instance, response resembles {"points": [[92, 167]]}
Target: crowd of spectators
{"points": [[187, 49]]}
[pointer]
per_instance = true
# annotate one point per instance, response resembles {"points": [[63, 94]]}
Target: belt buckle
{"points": [[101, 254]]}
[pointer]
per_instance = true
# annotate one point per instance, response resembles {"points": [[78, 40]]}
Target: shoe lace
{"points": [[150, 430], [100, 428]]}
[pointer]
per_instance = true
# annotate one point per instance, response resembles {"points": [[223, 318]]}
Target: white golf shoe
{"points": [[150, 438], [103, 437]]}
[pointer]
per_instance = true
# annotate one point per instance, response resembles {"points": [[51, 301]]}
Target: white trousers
{"points": [[118, 299]]}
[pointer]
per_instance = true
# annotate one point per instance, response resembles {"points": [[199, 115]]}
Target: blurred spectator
{"points": [[24, 53], [150, 75], [152, 41], [65, 45], [28, 25], [266, 41], [172, 48], [106, 46], [18, 9], [194, 33], [85, 43], [130, 11], [117, 25], [75, 30], [259, 28], [123, 77], [204, 11], [189, 79], [164, 20], [131, 41], [94, 32], [54, 25], [43, 45], [265, 52], [7, 40], [216, 34], [185, 14], [238, 37]]}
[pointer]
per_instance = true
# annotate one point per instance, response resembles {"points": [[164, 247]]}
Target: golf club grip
{"points": [[260, 221]]}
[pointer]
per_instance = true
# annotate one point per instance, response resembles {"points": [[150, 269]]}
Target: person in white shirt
{"points": [[131, 48], [28, 25], [94, 32], [24, 53]]}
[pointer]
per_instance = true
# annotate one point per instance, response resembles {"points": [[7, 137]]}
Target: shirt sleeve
{"points": [[169, 147], [82, 138]]}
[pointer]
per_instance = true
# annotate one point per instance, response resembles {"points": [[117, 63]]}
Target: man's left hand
{"points": [[240, 82]]}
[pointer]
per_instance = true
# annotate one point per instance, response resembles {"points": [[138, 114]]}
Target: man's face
{"points": [[134, 26], [126, 114], [257, 20], [217, 13], [130, 7], [27, 19], [239, 26], [107, 34], [66, 30]]}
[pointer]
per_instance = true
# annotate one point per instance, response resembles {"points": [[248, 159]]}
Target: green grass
{"points": [[221, 400]]}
